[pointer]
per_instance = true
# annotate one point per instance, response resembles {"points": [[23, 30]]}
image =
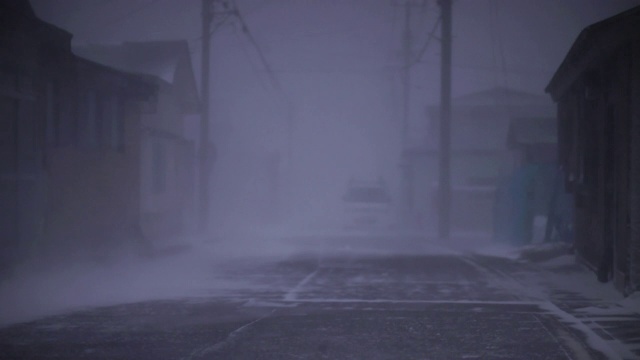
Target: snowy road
{"points": [[342, 306]]}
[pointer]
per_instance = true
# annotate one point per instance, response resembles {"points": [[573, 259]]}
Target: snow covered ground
{"points": [[32, 294], [198, 273]]}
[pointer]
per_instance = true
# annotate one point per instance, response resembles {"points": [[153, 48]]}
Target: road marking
{"points": [[392, 301], [199, 353], [292, 294]]}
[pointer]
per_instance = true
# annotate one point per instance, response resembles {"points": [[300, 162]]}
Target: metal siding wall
{"points": [[634, 246], [621, 99]]}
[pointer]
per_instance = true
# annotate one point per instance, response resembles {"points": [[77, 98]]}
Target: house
{"points": [[596, 88], [479, 156], [92, 174], [167, 177], [68, 138], [24, 42], [533, 140]]}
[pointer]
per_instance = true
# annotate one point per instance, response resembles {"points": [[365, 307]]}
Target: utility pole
{"points": [[406, 101], [406, 175], [406, 71], [205, 142], [444, 223]]}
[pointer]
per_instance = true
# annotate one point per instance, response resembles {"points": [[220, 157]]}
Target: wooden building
{"points": [[168, 156], [68, 129], [597, 91]]}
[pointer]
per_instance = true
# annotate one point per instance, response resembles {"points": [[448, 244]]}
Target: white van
{"points": [[367, 206]]}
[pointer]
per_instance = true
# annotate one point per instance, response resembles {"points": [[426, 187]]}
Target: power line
{"points": [[88, 11], [430, 37], [253, 65], [127, 15], [265, 63]]}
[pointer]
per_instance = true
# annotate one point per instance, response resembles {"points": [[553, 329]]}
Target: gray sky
{"points": [[339, 64]]}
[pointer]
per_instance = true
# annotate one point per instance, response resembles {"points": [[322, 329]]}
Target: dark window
{"points": [[159, 167], [52, 113], [88, 129], [150, 106], [8, 135], [367, 195], [112, 122]]}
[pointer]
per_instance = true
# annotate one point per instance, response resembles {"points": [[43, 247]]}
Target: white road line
{"points": [[392, 301], [612, 349], [292, 294], [199, 353]]}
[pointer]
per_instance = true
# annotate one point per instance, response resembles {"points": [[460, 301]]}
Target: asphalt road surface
{"points": [[347, 305]]}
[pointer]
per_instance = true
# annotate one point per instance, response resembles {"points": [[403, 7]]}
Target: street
{"points": [[340, 305]]}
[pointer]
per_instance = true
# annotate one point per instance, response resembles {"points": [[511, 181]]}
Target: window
{"points": [[159, 167], [117, 129], [88, 123], [52, 114], [8, 135], [367, 195], [150, 106], [112, 122]]}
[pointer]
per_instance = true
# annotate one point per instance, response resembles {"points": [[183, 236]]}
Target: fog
{"points": [[335, 74], [305, 101]]}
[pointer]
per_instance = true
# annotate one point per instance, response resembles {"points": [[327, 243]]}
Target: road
{"points": [[314, 305]]}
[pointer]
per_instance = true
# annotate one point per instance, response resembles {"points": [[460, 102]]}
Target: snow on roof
{"points": [[531, 130], [499, 95], [156, 58]]}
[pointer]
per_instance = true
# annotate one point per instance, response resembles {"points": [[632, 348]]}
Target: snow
{"points": [[631, 303], [559, 262], [34, 294], [195, 274], [558, 270], [292, 294], [612, 349]]}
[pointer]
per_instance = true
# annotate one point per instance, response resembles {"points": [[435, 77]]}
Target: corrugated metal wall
{"points": [[634, 244]]}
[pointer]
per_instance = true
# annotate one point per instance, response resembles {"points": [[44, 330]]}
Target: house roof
{"points": [[135, 84], [157, 58], [160, 59], [594, 42], [498, 96], [22, 7], [529, 131]]}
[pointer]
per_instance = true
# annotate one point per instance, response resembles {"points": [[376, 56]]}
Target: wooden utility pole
{"points": [[406, 72], [444, 223], [205, 143], [406, 174], [406, 101], [407, 182]]}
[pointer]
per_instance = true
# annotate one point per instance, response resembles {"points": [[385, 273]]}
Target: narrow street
{"points": [[348, 305]]}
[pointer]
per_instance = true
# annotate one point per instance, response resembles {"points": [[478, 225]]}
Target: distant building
{"points": [[479, 156], [68, 144], [524, 197], [168, 168], [597, 89]]}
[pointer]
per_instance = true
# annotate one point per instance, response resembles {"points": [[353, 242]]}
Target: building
{"points": [[92, 158], [479, 156], [24, 43], [597, 91], [167, 172], [68, 144]]}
